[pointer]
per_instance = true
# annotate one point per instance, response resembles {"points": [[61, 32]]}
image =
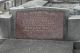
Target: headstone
{"points": [[39, 23], [74, 27], [36, 46]]}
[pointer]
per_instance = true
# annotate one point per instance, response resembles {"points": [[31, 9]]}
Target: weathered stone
{"points": [[2, 40], [18, 2], [33, 3], [24, 1], [5, 25], [36, 46], [2, 7], [74, 28], [77, 51], [62, 5], [55, 0], [63, 1], [76, 45], [77, 9]]}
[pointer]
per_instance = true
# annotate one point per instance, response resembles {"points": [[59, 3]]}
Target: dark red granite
{"points": [[39, 25]]}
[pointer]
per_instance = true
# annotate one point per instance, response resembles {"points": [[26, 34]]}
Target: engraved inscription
{"points": [[39, 25]]}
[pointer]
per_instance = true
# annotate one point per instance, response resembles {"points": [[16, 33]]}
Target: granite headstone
{"points": [[40, 23]]}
